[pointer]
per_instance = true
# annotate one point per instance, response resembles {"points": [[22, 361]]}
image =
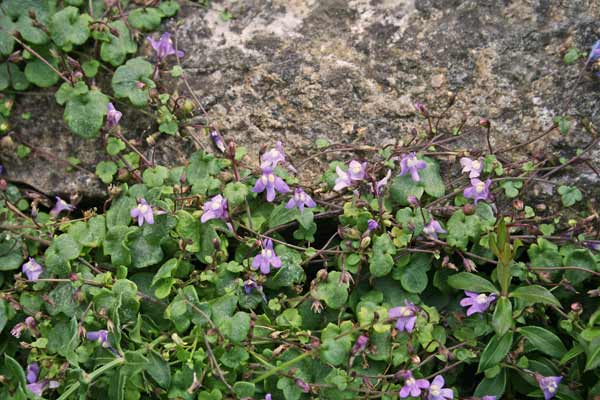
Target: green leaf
{"points": [[431, 179], [335, 350], [169, 7], [244, 389], [544, 340], [159, 369], [115, 49], [132, 81], [84, 114], [581, 258], [114, 146], [106, 170], [381, 262], [495, 351], [237, 327], [16, 370], [154, 177], [38, 73], [535, 294], [414, 278], [502, 320], [572, 56], [90, 68], [11, 75], [68, 28], [493, 386], [145, 19], [67, 247], [593, 355], [471, 282], [235, 193], [334, 292], [511, 188], [115, 244], [404, 186], [569, 195], [3, 315]]}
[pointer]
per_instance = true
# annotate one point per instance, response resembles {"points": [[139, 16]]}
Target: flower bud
{"points": [[469, 265], [518, 204], [365, 242], [316, 306], [360, 344], [415, 359], [422, 109], [469, 209], [485, 123], [451, 98], [188, 106], [576, 307], [322, 275], [412, 200], [305, 387]]}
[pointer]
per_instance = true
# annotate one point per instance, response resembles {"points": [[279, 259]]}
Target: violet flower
{"points": [[217, 140], [272, 183], [410, 163], [305, 387], [488, 397], [360, 344], [268, 396], [266, 258], [548, 384], [412, 387], [113, 116], [356, 170], [32, 269], [372, 225], [433, 228], [35, 386], [143, 212], [100, 336], [381, 184], [342, 181], [473, 167], [61, 206], [594, 53], [271, 158], [164, 47], [478, 190], [477, 303], [437, 390], [18, 329], [215, 208], [405, 316], [300, 200], [250, 285]]}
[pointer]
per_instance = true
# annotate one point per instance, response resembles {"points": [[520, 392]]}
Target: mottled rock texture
{"points": [[349, 71]]}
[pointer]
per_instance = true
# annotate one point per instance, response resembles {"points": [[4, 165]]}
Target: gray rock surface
{"points": [[350, 71]]}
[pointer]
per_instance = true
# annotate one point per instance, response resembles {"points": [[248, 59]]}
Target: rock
{"points": [[298, 70]]}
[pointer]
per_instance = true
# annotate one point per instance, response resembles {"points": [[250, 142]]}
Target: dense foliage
{"points": [[238, 275]]}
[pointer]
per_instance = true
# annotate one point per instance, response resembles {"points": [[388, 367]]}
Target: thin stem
{"points": [[281, 367], [42, 59]]}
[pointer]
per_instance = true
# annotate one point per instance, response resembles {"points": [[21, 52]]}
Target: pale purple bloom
{"points": [[217, 140], [32, 269], [271, 158], [300, 199], [356, 170], [164, 47], [473, 167], [372, 225], [268, 396], [305, 387], [437, 390], [100, 336], [549, 385], [380, 184], [405, 316], [143, 212], [215, 208], [488, 398], [266, 258], [478, 190], [360, 344], [433, 228], [477, 303], [594, 53], [60, 206], [18, 329], [272, 183], [412, 200], [410, 163], [113, 116], [35, 386], [342, 181], [250, 285], [412, 387]]}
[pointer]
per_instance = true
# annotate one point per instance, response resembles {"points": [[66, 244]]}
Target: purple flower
{"points": [[437, 391], [342, 181], [477, 303], [35, 386], [143, 212], [405, 316], [594, 53], [433, 228], [412, 386], [478, 190], [215, 208], [380, 184], [412, 200], [360, 344], [372, 225], [268, 396], [305, 387], [272, 183], [113, 116], [549, 385], [164, 47], [488, 398], [217, 140], [60, 206], [100, 336], [300, 200], [250, 285], [266, 258], [410, 163], [32, 269], [273, 157], [473, 167], [356, 170], [18, 329]]}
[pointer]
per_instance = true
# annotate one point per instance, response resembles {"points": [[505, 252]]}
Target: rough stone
{"points": [[348, 71]]}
